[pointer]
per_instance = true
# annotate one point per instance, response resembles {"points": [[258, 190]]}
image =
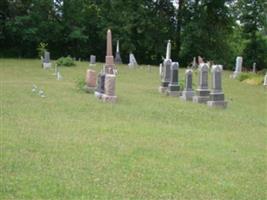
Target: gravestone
{"points": [[132, 61], [166, 71], [160, 70], [173, 87], [92, 60], [265, 80], [202, 92], [188, 92], [90, 81], [110, 83], [59, 76], [216, 94], [238, 66], [100, 89], [46, 61], [254, 68], [109, 60], [118, 56]]}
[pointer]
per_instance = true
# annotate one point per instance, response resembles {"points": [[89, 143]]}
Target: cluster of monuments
{"points": [[169, 72], [103, 84]]}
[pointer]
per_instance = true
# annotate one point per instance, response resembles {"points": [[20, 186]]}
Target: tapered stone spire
{"points": [[109, 55], [118, 46], [109, 65], [168, 51], [118, 56]]}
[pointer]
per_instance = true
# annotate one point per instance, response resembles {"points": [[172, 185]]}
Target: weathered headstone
{"points": [[109, 64], [202, 92], [265, 80], [132, 61], [100, 89], [92, 60], [118, 56], [188, 92], [90, 81], [173, 87], [110, 83], [166, 75], [59, 76], [46, 61], [216, 94], [254, 68], [160, 70], [238, 66]]}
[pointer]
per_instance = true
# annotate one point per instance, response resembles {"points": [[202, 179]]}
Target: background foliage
{"points": [[216, 30]]}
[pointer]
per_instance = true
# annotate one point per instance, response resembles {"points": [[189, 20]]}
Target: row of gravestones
{"points": [[103, 85], [170, 83]]}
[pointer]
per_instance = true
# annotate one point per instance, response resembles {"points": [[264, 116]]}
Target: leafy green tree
{"points": [[252, 18]]}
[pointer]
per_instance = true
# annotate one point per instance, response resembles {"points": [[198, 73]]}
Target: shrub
{"points": [[65, 61], [243, 76], [80, 82]]}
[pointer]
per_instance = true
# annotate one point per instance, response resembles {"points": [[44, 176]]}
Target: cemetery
{"points": [[126, 118]]}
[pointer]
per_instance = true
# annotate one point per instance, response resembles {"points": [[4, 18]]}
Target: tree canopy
{"points": [[216, 30]]}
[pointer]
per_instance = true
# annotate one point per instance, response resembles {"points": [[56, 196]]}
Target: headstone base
{"points": [[163, 89], [200, 99], [217, 104], [109, 99], [98, 95], [89, 89], [173, 93], [187, 95], [47, 65]]}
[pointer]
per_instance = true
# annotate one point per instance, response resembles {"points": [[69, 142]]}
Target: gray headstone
{"points": [[46, 57], [203, 76], [202, 92], [92, 59], [188, 92], [254, 67], [216, 94], [188, 80], [216, 83], [173, 87]]}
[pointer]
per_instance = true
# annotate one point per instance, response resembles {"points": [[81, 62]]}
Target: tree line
{"points": [[217, 30]]}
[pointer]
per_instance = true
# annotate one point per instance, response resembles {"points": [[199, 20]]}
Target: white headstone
{"points": [[265, 80], [238, 66], [132, 61]]}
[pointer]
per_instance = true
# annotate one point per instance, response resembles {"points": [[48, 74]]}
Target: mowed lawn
{"points": [[69, 145]]}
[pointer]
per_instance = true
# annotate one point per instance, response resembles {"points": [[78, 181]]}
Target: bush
{"points": [[65, 61], [251, 78], [243, 76], [80, 82]]}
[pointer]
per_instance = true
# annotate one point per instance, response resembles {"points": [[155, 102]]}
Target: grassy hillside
{"points": [[147, 146]]}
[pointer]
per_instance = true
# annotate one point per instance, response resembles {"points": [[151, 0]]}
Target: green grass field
{"points": [[69, 145]]}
